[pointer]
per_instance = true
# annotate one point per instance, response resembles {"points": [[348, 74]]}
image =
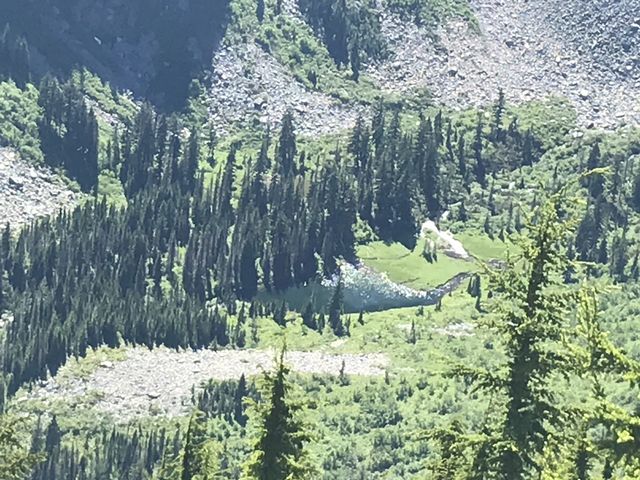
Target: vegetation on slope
{"points": [[198, 230]]}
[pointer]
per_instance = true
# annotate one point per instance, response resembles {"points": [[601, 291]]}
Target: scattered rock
{"points": [[16, 183], [28, 191], [455, 330], [161, 380], [531, 49], [584, 94], [250, 85]]}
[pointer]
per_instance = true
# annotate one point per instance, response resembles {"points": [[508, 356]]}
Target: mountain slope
{"points": [[152, 47], [585, 51], [531, 49]]}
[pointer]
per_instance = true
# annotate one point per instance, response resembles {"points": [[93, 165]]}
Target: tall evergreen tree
{"points": [[287, 150], [197, 457], [480, 167], [335, 309], [280, 438], [260, 7], [534, 308]]}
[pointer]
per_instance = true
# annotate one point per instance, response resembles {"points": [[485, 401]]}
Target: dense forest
{"points": [[523, 364]]}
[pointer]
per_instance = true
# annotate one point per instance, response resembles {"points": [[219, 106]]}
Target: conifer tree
{"points": [[335, 310], [287, 145], [308, 317], [426, 153], [595, 182], [197, 461], [260, 7], [280, 437], [480, 168], [498, 117], [355, 60], [635, 194], [533, 308], [527, 149]]}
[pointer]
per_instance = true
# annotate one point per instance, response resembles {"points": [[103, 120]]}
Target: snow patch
{"points": [[453, 247]]}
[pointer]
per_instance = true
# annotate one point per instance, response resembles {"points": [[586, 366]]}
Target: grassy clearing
{"points": [[409, 267], [483, 248]]}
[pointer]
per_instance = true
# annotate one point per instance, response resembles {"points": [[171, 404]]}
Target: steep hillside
{"points": [[429, 208], [583, 50], [461, 53], [153, 47]]}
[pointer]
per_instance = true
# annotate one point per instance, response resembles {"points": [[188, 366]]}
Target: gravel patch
{"points": [[160, 381]]}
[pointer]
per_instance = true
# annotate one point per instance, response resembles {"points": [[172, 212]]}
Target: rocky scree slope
{"points": [[249, 86], [28, 192], [585, 50]]}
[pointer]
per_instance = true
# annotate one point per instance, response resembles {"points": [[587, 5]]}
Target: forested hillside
{"points": [[255, 240]]}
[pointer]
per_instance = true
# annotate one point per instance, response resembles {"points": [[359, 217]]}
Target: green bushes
{"points": [[19, 116]]}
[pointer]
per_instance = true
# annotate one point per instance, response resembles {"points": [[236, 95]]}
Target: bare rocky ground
{"points": [[160, 381], [585, 50], [28, 191], [249, 85]]}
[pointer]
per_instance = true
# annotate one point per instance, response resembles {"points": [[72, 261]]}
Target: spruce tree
{"points": [[480, 167], [533, 310], [287, 150], [498, 116], [595, 182], [635, 194], [355, 60], [260, 10], [335, 310], [279, 436], [197, 463]]}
